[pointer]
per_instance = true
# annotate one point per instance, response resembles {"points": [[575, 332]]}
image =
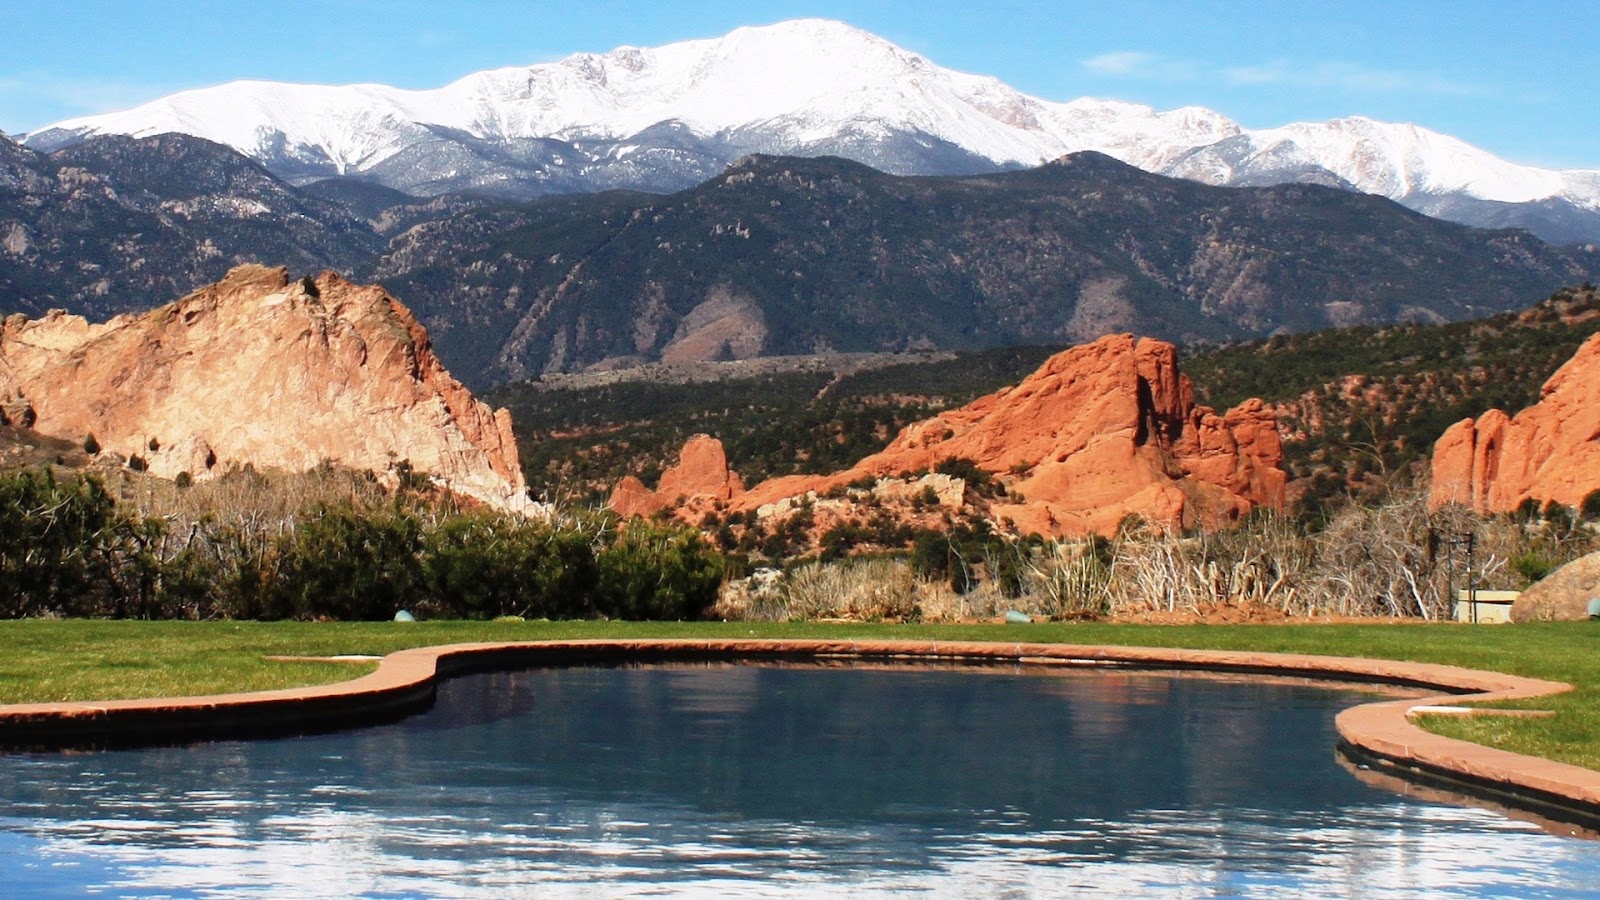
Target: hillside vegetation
{"points": [[791, 256], [576, 443], [107, 542], [775, 256], [1358, 406]]}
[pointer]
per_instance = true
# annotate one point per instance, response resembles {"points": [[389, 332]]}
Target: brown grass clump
{"points": [[859, 589]]}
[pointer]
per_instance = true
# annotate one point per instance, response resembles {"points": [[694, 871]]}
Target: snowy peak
{"points": [[350, 126], [1400, 160], [749, 76], [817, 78], [664, 117], [804, 81]]}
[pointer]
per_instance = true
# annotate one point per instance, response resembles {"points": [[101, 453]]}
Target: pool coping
{"points": [[1381, 735]]}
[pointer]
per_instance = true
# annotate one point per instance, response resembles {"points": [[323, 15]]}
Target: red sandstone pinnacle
{"points": [[1099, 432], [262, 369], [701, 473], [1549, 451]]}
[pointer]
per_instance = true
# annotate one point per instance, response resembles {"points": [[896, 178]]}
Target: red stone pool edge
{"points": [[1380, 735]]}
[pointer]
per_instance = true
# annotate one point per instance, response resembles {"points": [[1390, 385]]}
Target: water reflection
{"points": [[775, 782]]}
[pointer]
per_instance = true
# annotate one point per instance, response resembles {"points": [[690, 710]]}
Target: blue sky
{"points": [[1517, 78]]}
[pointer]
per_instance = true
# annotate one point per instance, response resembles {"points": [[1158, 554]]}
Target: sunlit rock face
{"points": [[1549, 451], [264, 370]]}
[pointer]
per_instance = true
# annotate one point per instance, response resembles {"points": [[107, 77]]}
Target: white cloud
{"points": [[1352, 77], [1120, 63], [1269, 73], [1144, 66], [1344, 76]]}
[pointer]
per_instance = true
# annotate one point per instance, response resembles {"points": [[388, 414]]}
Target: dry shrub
{"points": [[1515, 553], [936, 601], [1165, 571], [1069, 580], [261, 503], [1378, 560], [1388, 558], [1381, 560], [862, 589]]}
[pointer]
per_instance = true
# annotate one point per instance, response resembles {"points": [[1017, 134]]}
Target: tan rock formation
{"points": [[1549, 451], [701, 473], [263, 370], [947, 491], [1099, 432]]}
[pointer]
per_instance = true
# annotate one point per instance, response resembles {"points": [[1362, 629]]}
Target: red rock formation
{"points": [[1549, 451], [631, 498], [701, 473], [258, 369], [1099, 432]]}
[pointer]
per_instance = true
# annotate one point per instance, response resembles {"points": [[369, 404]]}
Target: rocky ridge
{"points": [[116, 225], [776, 256], [1548, 451], [1100, 432], [784, 256], [260, 369]]}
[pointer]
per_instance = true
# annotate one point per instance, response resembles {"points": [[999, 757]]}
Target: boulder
{"points": [[1562, 595], [948, 491]]}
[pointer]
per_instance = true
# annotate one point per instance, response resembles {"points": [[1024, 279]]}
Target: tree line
{"points": [[343, 549]]}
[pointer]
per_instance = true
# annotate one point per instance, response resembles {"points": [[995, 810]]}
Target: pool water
{"points": [[736, 780]]}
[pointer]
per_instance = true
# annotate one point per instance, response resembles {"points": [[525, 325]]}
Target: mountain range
{"points": [[118, 224], [782, 255], [666, 118], [774, 256]]}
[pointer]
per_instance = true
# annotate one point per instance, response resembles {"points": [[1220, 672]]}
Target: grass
{"points": [[47, 660]]}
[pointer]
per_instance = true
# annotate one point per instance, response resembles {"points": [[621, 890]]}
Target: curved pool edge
{"points": [[1379, 734]]}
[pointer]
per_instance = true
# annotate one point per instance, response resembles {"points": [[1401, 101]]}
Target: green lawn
{"points": [[100, 660]]}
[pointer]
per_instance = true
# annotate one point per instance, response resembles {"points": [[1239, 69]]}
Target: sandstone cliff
{"points": [[1549, 451], [1099, 432], [263, 370]]}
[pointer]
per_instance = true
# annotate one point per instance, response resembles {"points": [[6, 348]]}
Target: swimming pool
{"points": [[752, 780]]}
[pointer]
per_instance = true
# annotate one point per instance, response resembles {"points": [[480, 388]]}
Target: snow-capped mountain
{"points": [[667, 117]]}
